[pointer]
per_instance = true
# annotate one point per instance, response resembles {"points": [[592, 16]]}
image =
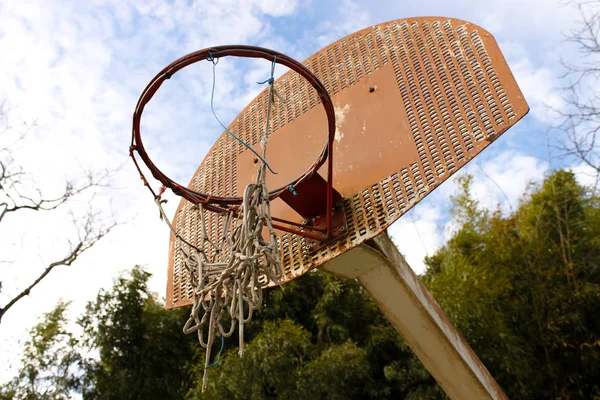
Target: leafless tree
{"points": [[581, 92], [19, 195]]}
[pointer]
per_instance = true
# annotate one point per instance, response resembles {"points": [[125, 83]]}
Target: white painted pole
{"points": [[415, 314]]}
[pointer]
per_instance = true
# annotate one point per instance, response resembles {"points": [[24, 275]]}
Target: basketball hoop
{"points": [[415, 100], [228, 275], [219, 203]]}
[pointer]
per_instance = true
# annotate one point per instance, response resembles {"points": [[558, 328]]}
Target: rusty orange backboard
{"points": [[415, 100]]}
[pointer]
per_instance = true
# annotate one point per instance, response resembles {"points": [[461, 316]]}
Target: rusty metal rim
{"points": [[220, 203]]}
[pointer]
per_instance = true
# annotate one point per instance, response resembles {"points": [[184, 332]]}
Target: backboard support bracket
{"points": [[309, 199], [339, 228]]}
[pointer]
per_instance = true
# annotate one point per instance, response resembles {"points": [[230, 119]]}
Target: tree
{"points": [[131, 347], [51, 364], [581, 112], [319, 337], [19, 194], [142, 350], [523, 289]]}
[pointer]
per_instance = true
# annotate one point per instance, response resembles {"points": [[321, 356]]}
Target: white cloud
{"points": [[346, 18], [498, 181], [503, 179], [531, 17], [418, 234], [79, 67], [540, 88], [276, 8], [586, 175]]}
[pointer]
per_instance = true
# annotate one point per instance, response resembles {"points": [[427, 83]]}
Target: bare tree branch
{"points": [[18, 193], [580, 116], [14, 194], [18, 201], [90, 232]]}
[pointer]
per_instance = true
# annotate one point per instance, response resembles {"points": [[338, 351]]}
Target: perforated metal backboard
{"points": [[415, 100]]}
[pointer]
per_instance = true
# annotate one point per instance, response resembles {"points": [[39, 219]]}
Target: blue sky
{"points": [[77, 68]]}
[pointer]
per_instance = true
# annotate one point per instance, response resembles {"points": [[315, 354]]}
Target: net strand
{"points": [[228, 277], [215, 61]]}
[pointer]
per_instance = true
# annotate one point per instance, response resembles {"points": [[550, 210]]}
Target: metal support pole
{"points": [[406, 303]]}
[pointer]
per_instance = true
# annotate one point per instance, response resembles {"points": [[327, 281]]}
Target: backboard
{"points": [[415, 99]]}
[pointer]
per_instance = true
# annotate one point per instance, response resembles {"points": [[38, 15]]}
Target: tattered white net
{"points": [[228, 276]]}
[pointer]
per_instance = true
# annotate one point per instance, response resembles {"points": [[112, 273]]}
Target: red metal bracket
{"points": [[312, 199]]}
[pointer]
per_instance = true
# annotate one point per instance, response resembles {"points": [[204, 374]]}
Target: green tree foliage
{"points": [[50, 365], [523, 288], [317, 338], [142, 352]]}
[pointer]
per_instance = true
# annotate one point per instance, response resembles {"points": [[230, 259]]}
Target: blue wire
{"points": [[212, 108], [218, 355], [269, 81], [293, 190]]}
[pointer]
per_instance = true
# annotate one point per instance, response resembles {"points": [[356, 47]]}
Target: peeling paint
{"points": [[340, 118]]}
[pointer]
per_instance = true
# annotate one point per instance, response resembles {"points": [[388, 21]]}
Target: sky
{"points": [[77, 68]]}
